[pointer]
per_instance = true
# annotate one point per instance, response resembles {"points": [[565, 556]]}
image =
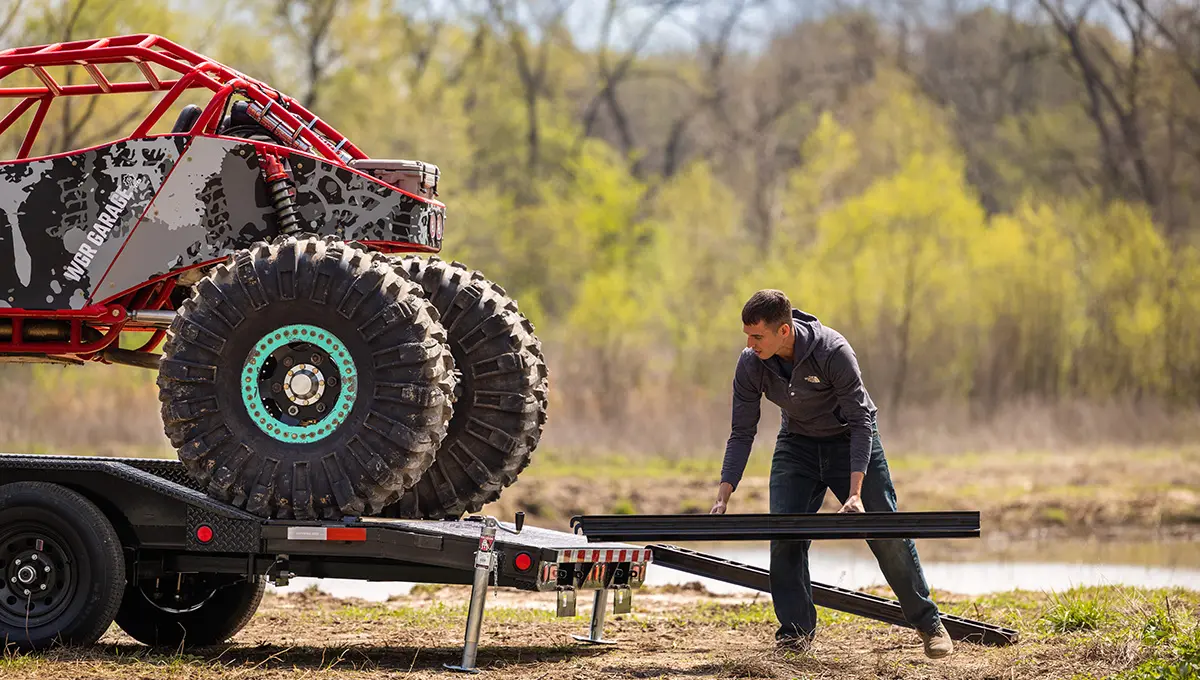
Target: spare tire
{"points": [[500, 409], [306, 379]]}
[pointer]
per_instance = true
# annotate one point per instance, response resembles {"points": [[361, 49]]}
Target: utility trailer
{"points": [[86, 540]]}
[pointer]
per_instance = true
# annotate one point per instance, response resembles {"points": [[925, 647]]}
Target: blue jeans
{"points": [[801, 469]]}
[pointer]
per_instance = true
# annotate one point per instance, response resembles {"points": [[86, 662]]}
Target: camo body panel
{"points": [[213, 202], [49, 207], [332, 199]]}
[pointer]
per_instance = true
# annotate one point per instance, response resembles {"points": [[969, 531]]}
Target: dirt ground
{"points": [[674, 632]]}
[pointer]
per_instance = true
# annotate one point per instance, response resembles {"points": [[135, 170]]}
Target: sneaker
{"points": [[937, 642]]}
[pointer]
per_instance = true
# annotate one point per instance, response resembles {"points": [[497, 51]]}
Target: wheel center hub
{"points": [[26, 575], [304, 384], [299, 383]]}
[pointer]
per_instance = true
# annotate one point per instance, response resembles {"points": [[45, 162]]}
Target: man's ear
{"points": [[785, 330]]}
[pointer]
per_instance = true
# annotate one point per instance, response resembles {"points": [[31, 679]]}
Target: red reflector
{"points": [[204, 533], [346, 534], [523, 562]]}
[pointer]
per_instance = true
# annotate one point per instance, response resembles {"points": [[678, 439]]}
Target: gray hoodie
{"points": [[824, 398]]}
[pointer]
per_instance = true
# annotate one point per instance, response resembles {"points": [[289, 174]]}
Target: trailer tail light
{"points": [[523, 561], [204, 533]]}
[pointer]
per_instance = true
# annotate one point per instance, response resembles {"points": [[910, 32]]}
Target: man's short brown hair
{"points": [[769, 305]]}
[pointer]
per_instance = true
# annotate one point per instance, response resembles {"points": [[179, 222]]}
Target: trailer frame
{"points": [[167, 525]]}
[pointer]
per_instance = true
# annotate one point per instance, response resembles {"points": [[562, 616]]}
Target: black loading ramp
{"points": [[806, 526], [831, 597]]}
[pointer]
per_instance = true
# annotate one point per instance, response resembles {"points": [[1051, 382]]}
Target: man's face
{"points": [[764, 341]]}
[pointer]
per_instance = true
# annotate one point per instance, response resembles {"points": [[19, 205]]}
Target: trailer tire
{"points": [[61, 548], [209, 613], [305, 379], [500, 411]]}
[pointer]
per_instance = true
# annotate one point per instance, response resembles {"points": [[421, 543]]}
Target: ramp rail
{"points": [[765, 526], [831, 597]]}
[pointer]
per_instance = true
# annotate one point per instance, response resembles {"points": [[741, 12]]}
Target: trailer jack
{"points": [[596, 629], [485, 568]]}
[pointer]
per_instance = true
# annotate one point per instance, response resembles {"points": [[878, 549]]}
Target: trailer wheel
{"points": [[62, 567], [193, 610], [305, 379], [501, 408]]}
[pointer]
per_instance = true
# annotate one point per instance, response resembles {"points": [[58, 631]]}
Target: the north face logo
{"points": [[812, 378]]}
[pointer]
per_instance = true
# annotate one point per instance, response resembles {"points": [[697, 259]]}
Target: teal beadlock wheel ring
{"points": [[299, 383]]}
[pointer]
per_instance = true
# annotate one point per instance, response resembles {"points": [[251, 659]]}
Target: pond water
{"points": [[968, 568]]}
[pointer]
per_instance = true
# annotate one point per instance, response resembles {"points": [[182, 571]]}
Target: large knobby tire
{"points": [[192, 610], [58, 547], [500, 409], [306, 379]]}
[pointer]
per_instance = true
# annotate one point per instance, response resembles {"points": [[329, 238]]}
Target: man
{"points": [[828, 440]]}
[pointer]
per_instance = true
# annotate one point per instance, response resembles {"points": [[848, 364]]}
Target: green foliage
{"points": [[1075, 610], [623, 506], [1180, 662]]}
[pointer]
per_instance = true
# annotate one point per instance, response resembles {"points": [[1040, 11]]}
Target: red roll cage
{"points": [[279, 113]]}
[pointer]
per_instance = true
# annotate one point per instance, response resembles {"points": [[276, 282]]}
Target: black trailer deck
{"points": [[169, 528]]}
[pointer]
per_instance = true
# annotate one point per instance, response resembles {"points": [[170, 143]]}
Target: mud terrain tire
{"points": [[358, 423], [500, 409]]}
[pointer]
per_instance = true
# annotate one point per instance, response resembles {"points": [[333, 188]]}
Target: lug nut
{"points": [[17, 562], [293, 410], [288, 361], [43, 586], [331, 381], [46, 569], [276, 387], [26, 591], [13, 579], [316, 359], [320, 408], [34, 557]]}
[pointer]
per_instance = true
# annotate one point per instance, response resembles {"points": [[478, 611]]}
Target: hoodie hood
{"points": [[808, 329]]}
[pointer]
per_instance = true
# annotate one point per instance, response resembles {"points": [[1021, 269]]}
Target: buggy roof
{"points": [[289, 119]]}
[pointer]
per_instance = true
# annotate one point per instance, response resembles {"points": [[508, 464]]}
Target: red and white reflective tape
{"points": [[592, 555], [327, 533]]}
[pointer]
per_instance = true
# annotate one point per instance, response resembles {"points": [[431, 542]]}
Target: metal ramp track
{"points": [[831, 597], [766, 526]]}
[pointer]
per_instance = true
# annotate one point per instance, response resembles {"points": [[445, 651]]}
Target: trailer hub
{"points": [[26, 575], [36, 584]]}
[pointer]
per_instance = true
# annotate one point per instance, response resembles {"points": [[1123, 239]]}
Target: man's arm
{"points": [[846, 378], [744, 426]]}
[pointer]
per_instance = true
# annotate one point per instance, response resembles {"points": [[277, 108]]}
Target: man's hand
{"points": [[723, 494], [854, 499], [852, 504]]}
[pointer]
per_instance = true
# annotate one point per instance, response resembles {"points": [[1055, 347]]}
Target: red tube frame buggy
{"points": [[304, 132]]}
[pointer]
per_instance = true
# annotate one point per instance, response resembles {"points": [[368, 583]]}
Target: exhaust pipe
{"points": [[159, 318]]}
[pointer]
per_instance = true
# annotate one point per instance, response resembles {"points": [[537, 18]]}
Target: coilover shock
{"points": [[282, 191]]}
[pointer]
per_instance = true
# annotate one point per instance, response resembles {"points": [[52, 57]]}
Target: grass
{"points": [[1076, 610]]}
